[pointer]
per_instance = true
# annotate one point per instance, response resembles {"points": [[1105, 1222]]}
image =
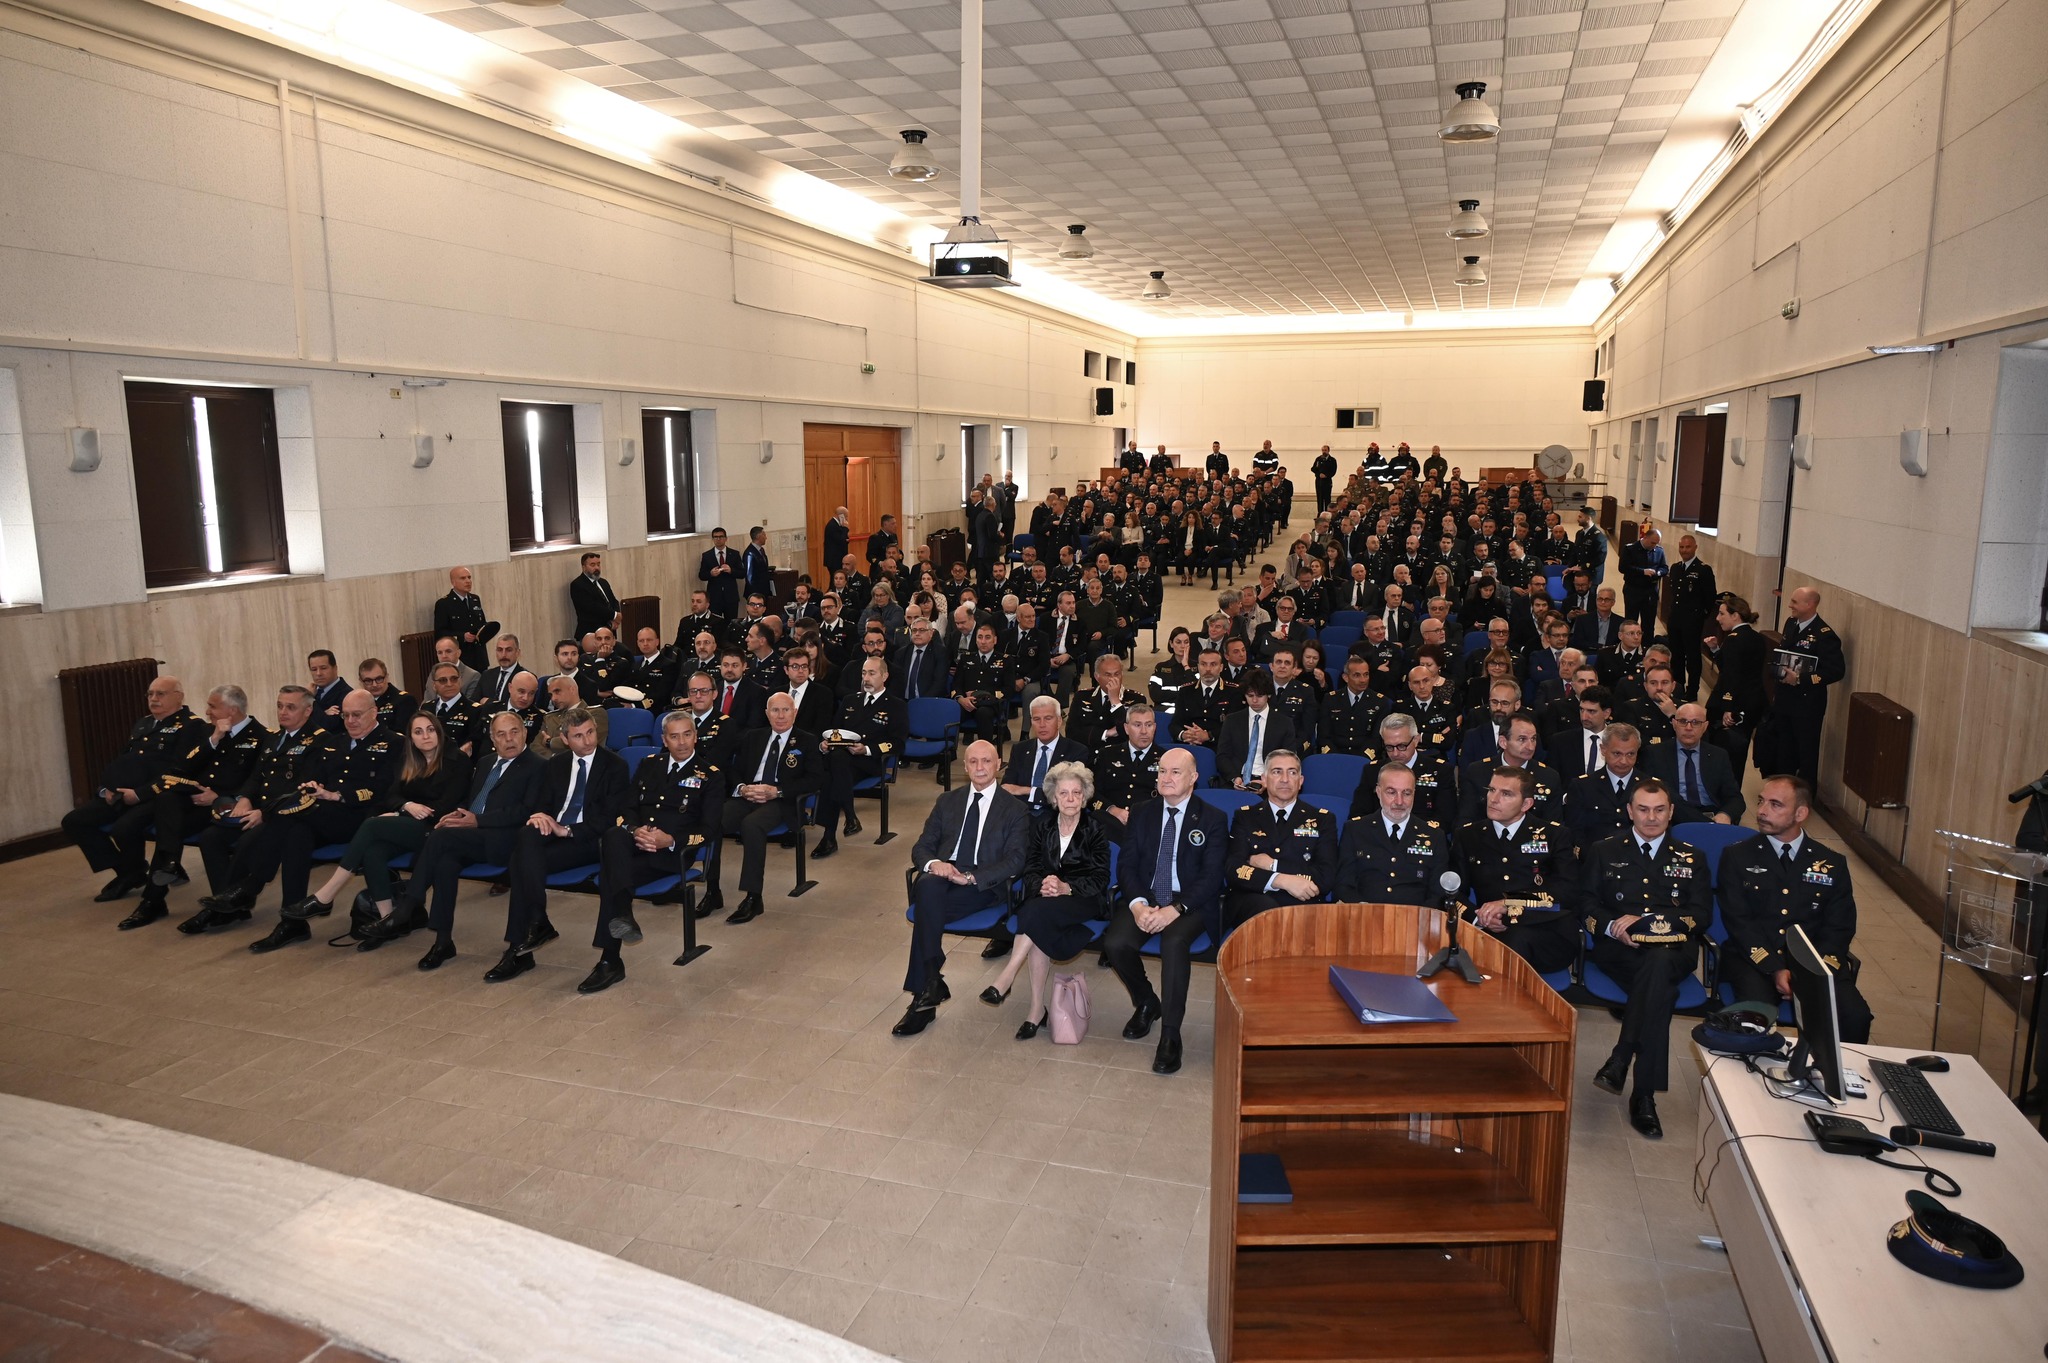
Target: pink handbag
{"points": [[1068, 1011]]}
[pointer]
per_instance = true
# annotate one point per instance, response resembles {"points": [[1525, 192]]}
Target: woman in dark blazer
{"points": [[1737, 703], [1066, 883], [432, 781]]}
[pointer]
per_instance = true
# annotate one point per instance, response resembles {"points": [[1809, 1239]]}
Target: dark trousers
{"points": [[1123, 940], [1639, 603], [1651, 976], [1323, 486], [842, 770], [535, 857], [1733, 740], [751, 822], [376, 843], [1685, 635], [283, 848], [622, 868], [437, 871], [934, 903], [216, 852], [1546, 945], [1241, 906], [1752, 985], [111, 835]]}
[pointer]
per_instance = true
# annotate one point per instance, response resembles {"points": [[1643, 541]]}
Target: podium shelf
{"points": [[1365, 1187], [1360, 1306], [1370, 1081], [1288, 1001]]}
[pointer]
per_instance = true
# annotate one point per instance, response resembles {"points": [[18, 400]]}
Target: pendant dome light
{"points": [[1077, 246], [914, 161], [1467, 224], [1155, 287], [1471, 120], [1470, 275]]}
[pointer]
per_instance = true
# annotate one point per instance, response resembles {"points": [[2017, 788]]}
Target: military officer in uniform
{"points": [[1596, 806], [1351, 716], [1518, 748], [1436, 719], [1691, 598], [1785, 879], [1522, 873], [1294, 697], [1325, 470], [671, 811], [522, 699], [882, 722], [457, 713], [460, 616], [1095, 720], [1392, 857], [1201, 706], [1127, 771], [1647, 905], [288, 760], [192, 798], [109, 828], [1400, 743], [1801, 705], [395, 705], [1281, 850]]}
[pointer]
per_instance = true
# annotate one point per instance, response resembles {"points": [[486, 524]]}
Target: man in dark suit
{"points": [[881, 721], [880, 543], [972, 847], [1575, 751], [1170, 882], [1698, 772], [1545, 665], [1250, 734], [593, 598], [1693, 597], [838, 536], [760, 573], [586, 788], [1281, 850], [460, 616], [772, 769], [741, 702], [1647, 906], [1642, 578], [1005, 494], [670, 812], [1032, 757], [816, 705], [1596, 804], [495, 686], [1398, 617], [1390, 856], [1600, 628], [503, 791], [922, 663], [982, 534], [1482, 742], [718, 568], [328, 687]]}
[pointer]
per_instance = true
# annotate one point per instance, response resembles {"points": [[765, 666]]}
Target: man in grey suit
{"points": [[1699, 772], [971, 849]]}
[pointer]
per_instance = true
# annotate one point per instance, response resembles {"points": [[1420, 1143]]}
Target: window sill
{"points": [[2030, 644], [232, 584], [542, 551]]}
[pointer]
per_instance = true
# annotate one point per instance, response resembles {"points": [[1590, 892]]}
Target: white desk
{"points": [[1806, 1230]]}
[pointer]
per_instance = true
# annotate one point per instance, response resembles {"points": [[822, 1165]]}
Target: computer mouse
{"points": [[1936, 1063]]}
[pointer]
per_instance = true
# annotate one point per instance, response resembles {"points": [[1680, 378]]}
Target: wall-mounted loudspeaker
{"points": [[1596, 396], [627, 449], [85, 448], [1913, 452], [1105, 402], [422, 451]]}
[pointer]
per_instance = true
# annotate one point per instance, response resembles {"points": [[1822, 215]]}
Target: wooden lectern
{"points": [[1427, 1160]]}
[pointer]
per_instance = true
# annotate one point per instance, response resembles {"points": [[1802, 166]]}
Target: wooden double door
{"points": [[859, 468]]}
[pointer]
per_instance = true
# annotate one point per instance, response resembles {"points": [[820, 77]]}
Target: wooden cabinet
{"points": [[1427, 1159]]}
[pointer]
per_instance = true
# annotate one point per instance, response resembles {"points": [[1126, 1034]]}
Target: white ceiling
{"points": [[1275, 157]]}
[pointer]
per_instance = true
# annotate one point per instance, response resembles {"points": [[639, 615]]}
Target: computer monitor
{"points": [[1817, 1059]]}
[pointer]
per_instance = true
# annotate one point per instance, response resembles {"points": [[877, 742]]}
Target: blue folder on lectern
{"points": [[1372, 997]]}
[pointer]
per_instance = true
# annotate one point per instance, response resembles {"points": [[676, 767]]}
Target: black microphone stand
{"points": [[1451, 956]]}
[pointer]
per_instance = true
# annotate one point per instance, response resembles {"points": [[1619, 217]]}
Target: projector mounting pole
{"points": [[970, 110]]}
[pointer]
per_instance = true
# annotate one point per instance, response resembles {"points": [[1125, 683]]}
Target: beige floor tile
{"points": [[778, 1238], [827, 1303]]}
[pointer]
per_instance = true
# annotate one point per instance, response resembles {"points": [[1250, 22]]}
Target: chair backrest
{"points": [[1347, 620], [1474, 639], [1338, 805], [1337, 643], [1712, 839], [1554, 574], [933, 717], [1332, 772], [1225, 799], [623, 726], [635, 755]]}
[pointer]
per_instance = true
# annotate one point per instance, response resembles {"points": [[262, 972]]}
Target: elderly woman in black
{"points": [[1066, 881]]}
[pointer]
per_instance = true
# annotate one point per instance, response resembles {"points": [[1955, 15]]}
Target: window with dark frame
{"points": [[206, 481], [540, 474], [669, 460]]}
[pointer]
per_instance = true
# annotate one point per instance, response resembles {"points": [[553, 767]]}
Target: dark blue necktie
{"points": [[970, 835], [1162, 870], [572, 813], [483, 794], [1692, 775]]}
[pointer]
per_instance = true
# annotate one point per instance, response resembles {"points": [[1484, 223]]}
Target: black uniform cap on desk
{"points": [[1947, 1246]]}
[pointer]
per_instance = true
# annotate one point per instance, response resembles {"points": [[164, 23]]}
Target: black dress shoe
{"points": [[913, 1021], [117, 888], [510, 966], [602, 976], [850, 827], [1612, 1076], [309, 907], [148, 911], [1141, 1021], [438, 955], [1167, 1059], [287, 931], [220, 916], [998, 947], [828, 846], [1027, 1030], [710, 904], [994, 997], [400, 923], [543, 933], [625, 927], [1642, 1115], [750, 908]]}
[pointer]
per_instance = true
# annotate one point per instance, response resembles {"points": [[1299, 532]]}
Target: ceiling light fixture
{"points": [[1076, 246], [970, 256], [1928, 349], [1470, 274], [1155, 287], [1471, 120], [1467, 224], [914, 161]]}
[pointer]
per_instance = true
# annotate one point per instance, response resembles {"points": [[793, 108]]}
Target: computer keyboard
{"points": [[1919, 1105]]}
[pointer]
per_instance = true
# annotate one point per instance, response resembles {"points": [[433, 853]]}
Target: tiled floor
{"points": [[62, 1304], [749, 1123]]}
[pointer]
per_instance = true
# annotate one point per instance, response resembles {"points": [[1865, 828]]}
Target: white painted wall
{"points": [[1487, 400]]}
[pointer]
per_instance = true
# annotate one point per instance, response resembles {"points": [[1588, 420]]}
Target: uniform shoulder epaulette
{"points": [[1432, 823]]}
